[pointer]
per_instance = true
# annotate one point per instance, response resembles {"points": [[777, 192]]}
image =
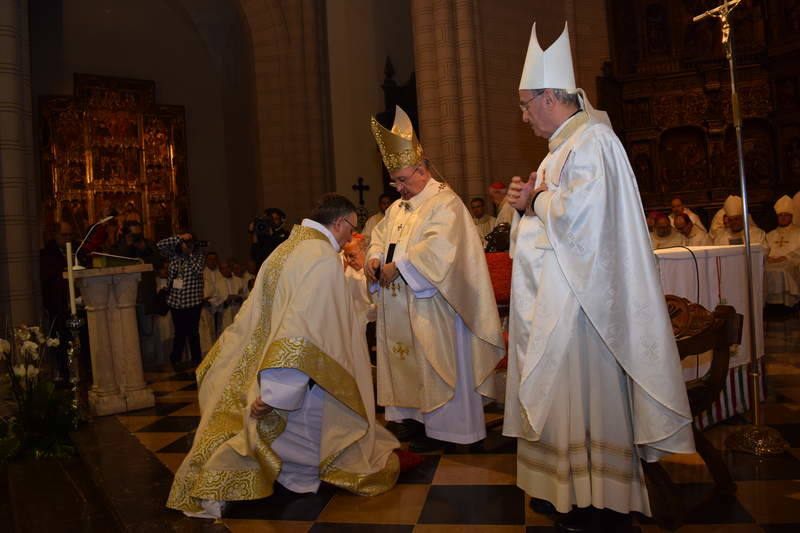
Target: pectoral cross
{"points": [[400, 350], [395, 287], [782, 242]]}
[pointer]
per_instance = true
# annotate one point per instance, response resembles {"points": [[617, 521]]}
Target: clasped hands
{"points": [[384, 275], [519, 194]]}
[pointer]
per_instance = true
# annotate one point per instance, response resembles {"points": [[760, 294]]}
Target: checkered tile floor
{"points": [[475, 491]]}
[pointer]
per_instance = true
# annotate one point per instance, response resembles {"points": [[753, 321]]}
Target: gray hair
{"points": [[566, 97]]}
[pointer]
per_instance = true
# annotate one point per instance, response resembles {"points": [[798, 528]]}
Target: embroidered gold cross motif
{"points": [[400, 350], [782, 242], [395, 287], [406, 206]]}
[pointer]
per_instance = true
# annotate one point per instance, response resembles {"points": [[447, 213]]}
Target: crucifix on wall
{"points": [[362, 211]]}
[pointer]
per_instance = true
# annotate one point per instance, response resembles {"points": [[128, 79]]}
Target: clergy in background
{"points": [[504, 213], [286, 392], [664, 235], [692, 235], [355, 254], [484, 223], [212, 302], [679, 209], [438, 331], [594, 377], [782, 274], [384, 201], [734, 232]]}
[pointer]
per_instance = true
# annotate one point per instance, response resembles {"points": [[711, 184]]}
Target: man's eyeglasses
{"points": [[353, 230], [396, 183], [523, 106]]}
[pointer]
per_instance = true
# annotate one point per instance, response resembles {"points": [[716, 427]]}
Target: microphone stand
{"points": [[76, 265], [756, 438]]}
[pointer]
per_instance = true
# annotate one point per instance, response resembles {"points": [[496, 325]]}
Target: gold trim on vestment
{"points": [[302, 355], [363, 484], [252, 478], [572, 126], [569, 470], [580, 446]]}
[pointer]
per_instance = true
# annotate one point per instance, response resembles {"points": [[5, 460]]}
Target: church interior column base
{"points": [[139, 399], [107, 404]]}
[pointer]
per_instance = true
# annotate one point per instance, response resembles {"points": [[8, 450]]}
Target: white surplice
{"points": [[697, 237], [370, 224], [783, 278], [692, 216], [594, 377], [671, 240], [208, 316]]}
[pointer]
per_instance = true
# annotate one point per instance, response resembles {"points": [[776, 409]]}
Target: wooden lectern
{"points": [[110, 298]]}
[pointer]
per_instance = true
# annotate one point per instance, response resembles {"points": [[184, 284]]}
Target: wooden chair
{"points": [[697, 331]]}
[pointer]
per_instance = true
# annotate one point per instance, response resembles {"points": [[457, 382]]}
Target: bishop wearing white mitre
{"points": [[782, 272]]}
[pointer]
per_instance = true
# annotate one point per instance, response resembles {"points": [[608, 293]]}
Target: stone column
{"points": [[104, 397], [19, 242], [447, 58], [131, 381]]}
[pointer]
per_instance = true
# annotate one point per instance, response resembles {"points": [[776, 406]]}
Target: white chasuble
{"points": [[438, 331], [782, 278], [594, 377], [299, 317], [670, 241]]}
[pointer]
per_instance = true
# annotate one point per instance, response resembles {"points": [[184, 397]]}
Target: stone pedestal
{"points": [[118, 379]]}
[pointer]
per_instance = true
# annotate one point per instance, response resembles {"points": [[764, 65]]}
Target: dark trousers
{"points": [[187, 327]]}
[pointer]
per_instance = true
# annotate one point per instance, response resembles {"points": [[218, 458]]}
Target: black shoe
{"points": [[610, 521], [542, 506], [407, 430], [579, 520], [426, 444]]}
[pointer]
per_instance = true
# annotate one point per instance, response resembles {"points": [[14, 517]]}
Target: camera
{"points": [[262, 225]]}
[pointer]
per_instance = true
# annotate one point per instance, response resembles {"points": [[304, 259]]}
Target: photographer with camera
{"points": [[185, 292], [267, 233]]}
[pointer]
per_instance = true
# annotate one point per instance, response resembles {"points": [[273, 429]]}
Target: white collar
{"points": [[313, 224], [430, 189]]}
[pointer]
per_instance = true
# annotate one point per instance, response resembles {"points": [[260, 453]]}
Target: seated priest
{"points": [[664, 235], [782, 272], [693, 235], [286, 392], [734, 232], [484, 223], [679, 209]]}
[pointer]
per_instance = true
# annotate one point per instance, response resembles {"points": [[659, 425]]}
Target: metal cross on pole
{"points": [[755, 439]]}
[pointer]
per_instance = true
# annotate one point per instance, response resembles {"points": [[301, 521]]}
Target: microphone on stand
{"points": [[74, 259]]}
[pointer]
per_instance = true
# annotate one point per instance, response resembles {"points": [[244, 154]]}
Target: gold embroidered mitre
{"points": [[399, 147]]}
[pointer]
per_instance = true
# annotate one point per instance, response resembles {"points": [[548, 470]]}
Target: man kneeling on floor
{"points": [[286, 392]]}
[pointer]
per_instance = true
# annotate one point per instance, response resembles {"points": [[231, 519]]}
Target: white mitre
{"points": [[552, 69], [733, 206], [784, 205]]}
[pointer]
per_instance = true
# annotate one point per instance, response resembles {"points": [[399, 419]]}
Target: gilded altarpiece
{"points": [[110, 149], [668, 93]]}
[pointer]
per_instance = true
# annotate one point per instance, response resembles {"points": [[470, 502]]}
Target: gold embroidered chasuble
{"points": [[416, 334], [299, 316]]}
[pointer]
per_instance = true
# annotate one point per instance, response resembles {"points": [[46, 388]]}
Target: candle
{"points": [[70, 280]]}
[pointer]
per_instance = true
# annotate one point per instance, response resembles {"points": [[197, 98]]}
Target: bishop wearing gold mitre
{"points": [[438, 331]]}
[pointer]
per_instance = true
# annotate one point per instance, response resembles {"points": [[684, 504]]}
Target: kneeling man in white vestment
{"points": [[286, 391], [438, 331], [782, 273], [594, 377]]}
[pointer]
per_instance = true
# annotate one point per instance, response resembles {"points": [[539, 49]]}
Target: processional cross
{"points": [[755, 439]]}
